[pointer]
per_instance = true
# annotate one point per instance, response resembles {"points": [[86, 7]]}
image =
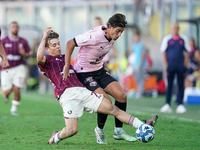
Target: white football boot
{"points": [[100, 135], [166, 109], [181, 109]]}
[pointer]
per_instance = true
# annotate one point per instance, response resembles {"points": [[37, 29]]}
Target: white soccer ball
{"points": [[145, 133]]}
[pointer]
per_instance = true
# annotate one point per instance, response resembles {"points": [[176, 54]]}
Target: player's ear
{"points": [[47, 48]]}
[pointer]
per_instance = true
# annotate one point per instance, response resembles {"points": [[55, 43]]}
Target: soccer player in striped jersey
{"points": [[93, 46], [13, 78], [73, 97], [4, 61]]}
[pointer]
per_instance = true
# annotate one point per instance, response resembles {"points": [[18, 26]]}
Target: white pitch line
{"points": [[31, 117]]}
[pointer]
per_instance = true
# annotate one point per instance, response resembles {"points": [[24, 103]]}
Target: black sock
{"points": [[121, 106], [101, 119]]}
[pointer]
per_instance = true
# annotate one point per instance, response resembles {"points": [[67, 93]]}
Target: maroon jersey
{"points": [[53, 70], [12, 47]]}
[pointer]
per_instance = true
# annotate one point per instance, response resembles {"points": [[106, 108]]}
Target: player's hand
{"points": [[5, 63], [65, 72], [46, 32], [22, 51]]}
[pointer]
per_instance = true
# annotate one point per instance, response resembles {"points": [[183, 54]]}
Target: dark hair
{"points": [[137, 32], [117, 20], [14, 22], [51, 35], [97, 18]]}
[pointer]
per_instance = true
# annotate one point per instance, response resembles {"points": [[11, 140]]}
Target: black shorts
{"points": [[93, 80]]}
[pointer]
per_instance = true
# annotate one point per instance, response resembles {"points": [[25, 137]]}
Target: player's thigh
{"points": [[71, 103], [91, 100], [6, 79], [116, 91], [101, 91], [106, 107], [20, 76]]}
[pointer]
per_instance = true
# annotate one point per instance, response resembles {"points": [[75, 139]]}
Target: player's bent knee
{"points": [[114, 110], [122, 98]]}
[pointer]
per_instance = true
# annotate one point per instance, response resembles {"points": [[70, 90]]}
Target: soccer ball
{"points": [[145, 133]]}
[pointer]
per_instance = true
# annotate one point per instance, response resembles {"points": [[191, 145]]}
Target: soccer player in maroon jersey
{"points": [[13, 78], [4, 63], [73, 97]]}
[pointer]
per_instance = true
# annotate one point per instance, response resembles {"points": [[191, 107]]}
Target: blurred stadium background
{"points": [[39, 113], [70, 18], [73, 17]]}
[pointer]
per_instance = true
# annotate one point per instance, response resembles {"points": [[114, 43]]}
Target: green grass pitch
{"points": [[40, 115]]}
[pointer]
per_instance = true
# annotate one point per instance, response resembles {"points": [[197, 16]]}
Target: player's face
{"points": [[136, 38], [115, 33], [175, 29], [97, 22], [54, 48], [14, 28]]}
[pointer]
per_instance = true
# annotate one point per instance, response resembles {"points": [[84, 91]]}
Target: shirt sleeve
{"points": [[43, 67], [85, 39], [27, 48], [164, 44], [186, 43]]}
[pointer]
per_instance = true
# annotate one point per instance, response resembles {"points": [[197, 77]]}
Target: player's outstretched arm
{"points": [[68, 52], [41, 49], [5, 63]]}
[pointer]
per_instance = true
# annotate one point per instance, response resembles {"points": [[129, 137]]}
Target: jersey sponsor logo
{"points": [[89, 79], [8, 45], [13, 57], [84, 39], [98, 61], [70, 71], [93, 83]]}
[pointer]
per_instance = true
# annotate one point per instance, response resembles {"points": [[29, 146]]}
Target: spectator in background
{"points": [[106, 59], [175, 49], [4, 62], [192, 76], [139, 64], [13, 78], [193, 64]]}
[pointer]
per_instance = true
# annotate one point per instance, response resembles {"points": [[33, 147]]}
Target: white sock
{"points": [[57, 137], [135, 122], [14, 106], [118, 129], [99, 129]]}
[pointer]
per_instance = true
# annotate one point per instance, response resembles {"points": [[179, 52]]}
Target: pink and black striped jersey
{"points": [[53, 70], [93, 46], [12, 47]]}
